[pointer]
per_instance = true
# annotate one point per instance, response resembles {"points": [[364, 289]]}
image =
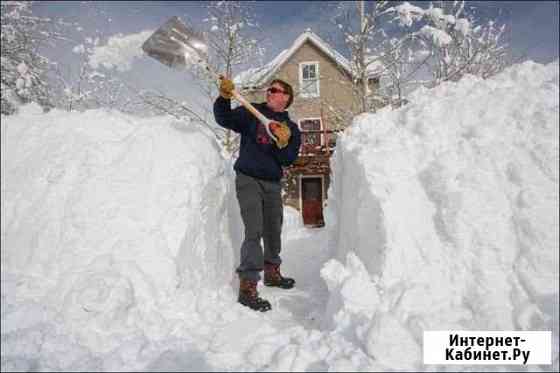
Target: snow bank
{"points": [[444, 215], [109, 222]]}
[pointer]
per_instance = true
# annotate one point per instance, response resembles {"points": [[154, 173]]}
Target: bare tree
{"points": [[230, 30], [86, 87], [402, 58], [231, 37], [362, 26], [159, 103]]}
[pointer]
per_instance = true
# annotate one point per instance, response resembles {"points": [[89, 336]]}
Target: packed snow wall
{"points": [[103, 210], [443, 215]]}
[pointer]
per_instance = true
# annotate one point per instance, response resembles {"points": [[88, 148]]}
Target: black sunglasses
{"points": [[275, 90]]}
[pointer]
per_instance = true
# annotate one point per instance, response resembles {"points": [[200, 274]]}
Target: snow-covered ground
{"points": [[120, 238]]}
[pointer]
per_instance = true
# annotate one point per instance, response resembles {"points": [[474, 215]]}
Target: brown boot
{"points": [[248, 296], [273, 277]]}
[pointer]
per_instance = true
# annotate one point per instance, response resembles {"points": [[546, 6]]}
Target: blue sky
{"points": [[534, 26]]}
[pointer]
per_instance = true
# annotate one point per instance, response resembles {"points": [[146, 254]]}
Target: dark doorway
{"points": [[312, 201]]}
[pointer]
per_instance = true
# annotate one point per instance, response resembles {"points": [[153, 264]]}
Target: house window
{"points": [[311, 137], [373, 84], [309, 79]]}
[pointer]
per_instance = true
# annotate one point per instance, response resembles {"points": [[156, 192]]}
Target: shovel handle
{"points": [[250, 107], [264, 120]]}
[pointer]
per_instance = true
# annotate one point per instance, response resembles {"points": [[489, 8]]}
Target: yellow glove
{"points": [[282, 132], [226, 87]]}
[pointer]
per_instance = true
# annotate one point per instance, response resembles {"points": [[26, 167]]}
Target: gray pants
{"points": [[260, 202]]}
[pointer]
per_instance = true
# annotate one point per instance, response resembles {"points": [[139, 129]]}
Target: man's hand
{"points": [[226, 88], [282, 132]]}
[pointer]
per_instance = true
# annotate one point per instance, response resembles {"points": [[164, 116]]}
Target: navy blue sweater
{"points": [[259, 156]]}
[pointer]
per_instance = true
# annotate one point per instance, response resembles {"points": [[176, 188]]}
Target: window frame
{"points": [[317, 79], [321, 128]]}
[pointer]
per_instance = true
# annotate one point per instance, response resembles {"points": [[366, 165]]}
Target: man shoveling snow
{"points": [[258, 173]]}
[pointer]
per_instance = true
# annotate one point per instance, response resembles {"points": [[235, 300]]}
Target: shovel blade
{"points": [[176, 45]]}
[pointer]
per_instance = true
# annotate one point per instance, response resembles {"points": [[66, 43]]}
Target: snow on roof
{"points": [[260, 75], [254, 76]]}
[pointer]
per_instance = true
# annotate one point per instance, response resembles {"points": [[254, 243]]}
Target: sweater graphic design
{"points": [[262, 135]]}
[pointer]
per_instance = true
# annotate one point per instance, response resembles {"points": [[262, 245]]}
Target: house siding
{"points": [[335, 88]]}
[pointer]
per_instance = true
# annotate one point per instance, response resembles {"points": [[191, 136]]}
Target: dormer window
{"points": [[309, 79], [373, 83]]}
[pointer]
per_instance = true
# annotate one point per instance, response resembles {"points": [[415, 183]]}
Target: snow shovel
{"points": [[179, 47]]}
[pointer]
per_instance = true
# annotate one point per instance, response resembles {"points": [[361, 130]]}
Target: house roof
{"points": [[258, 76]]}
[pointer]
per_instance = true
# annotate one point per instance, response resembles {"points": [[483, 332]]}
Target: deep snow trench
{"points": [[120, 236]]}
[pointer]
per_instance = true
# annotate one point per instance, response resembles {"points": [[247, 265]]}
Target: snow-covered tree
{"points": [[23, 66], [456, 39], [411, 46]]}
